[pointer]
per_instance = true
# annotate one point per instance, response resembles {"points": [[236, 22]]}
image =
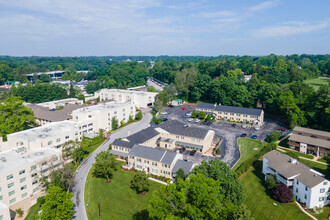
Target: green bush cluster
{"points": [[161, 178], [245, 166]]}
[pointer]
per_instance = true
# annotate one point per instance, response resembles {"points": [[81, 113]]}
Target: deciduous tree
{"points": [[140, 182], [105, 165]]}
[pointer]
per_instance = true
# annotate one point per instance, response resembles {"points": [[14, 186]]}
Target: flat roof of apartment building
{"points": [[232, 109], [48, 130], [103, 107], [43, 113], [17, 157], [127, 91], [178, 128], [290, 167]]}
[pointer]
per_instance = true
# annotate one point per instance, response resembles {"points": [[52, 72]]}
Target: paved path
{"points": [[81, 175]]}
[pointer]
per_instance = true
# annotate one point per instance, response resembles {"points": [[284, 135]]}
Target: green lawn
{"points": [[324, 213], [318, 82], [258, 200], [296, 154], [284, 142], [118, 200], [33, 212], [246, 146]]}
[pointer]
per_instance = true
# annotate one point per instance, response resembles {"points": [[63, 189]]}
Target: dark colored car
{"points": [[233, 125], [165, 119], [192, 153], [184, 108], [152, 124], [171, 106], [52, 110], [182, 150], [243, 135], [209, 123], [254, 136]]}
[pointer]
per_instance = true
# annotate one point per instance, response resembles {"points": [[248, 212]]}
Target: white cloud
{"points": [[290, 28], [263, 6]]}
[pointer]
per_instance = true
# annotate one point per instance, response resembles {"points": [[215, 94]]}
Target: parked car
{"points": [[257, 128], [207, 122], [183, 108], [192, 153], [190, 119], [233, 125], [152, 124], [243, 135], [182, 150], [189, 114], [283, 129], [254, 136], [165, 119], [52, 110], [197, 120], [171, 106], [164, 113], [244, 126]]}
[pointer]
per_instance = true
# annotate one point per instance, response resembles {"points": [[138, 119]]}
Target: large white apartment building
{"points": [[308, 186], [100, 116], [140, 99]]}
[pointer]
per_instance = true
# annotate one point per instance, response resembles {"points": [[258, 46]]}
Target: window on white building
{"points": [[12, 200], [66, 137], [24, 195], [58, 140], [34, 182], [10, 176], [154, 170], [10, 185], [35, 190], [22, 180], [50, 142], [11, 193], [146, 161], [33, 167], [21, 172], [322, 190], [138, 166], [154, 163], [23, 187], [138, 159], [321, 199]]}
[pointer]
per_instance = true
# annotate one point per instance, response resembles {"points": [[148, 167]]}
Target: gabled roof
{"points": [[143, 135], [206, 106], [121, 143], [312, 131], [231, 109], [239, 110], [310, 141], [185, 165], [178, 128], [155, 154], [282, 164]]}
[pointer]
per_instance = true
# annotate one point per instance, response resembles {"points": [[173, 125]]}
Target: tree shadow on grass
{"points": [[141, 215], [257, 165]]}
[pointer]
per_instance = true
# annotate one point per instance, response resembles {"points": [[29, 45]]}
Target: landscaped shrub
{"points": [[194, 114], [201, 115], [270, 182], [218, 151], [140, 182], [282, 193], [273, 136]]}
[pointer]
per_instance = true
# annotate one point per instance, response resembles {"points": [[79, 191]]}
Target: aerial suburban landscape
{"points": [[164, 110]]}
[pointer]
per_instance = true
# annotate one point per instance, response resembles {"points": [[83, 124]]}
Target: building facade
{"points": [[308, 186], [310, 141], [140, 99], [232, 113]]}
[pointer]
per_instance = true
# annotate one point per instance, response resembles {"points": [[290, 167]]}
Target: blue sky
{"points": [[163, 27]]}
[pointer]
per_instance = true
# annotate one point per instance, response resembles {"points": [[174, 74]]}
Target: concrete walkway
{"points": [[303, 210]]}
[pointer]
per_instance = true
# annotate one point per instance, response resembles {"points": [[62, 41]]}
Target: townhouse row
{"points": [[232, 113], [140, 150]]}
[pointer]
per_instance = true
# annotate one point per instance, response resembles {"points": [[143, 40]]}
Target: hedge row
{"points": [[245, 166]]}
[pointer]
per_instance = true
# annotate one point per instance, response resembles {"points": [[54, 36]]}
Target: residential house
{"points": [[308, 186]]}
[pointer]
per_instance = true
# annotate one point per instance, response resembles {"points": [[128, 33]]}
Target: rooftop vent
{"points": [[293, 161], [3, 159]]}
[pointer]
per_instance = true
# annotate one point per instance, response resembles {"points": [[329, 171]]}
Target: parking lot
{"points": [[224, 130]]}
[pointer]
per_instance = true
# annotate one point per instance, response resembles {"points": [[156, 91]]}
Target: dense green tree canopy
{"points": [[14, 116], [105, 165]]}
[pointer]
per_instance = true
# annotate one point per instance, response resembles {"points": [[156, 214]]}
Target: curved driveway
{"points": [[81, 175]]}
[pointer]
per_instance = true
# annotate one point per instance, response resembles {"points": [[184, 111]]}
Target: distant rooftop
{"points": [[233, 109], [310, 140], [312, 131], [127, 91], [282, 164], [103, 107], [143, 135]]}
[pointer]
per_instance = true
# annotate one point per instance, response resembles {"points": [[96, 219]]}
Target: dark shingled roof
{"points": [[281, 163], [205, 106], [185, 165], [143, 135], [231, 109], [178, 128], [121, 143], [239, 110], [155, 154]]}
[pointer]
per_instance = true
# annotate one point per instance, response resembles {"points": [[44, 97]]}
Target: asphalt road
{"points": [[229, 147], [81, 175]]}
